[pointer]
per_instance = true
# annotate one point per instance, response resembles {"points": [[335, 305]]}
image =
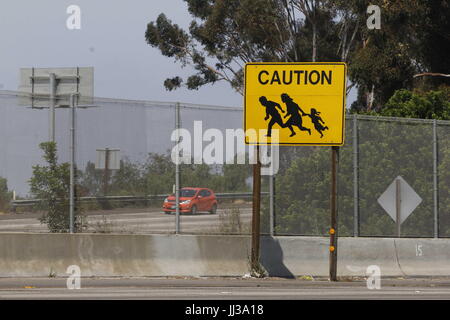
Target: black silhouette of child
{"points": [[293, 110], [271, 110], [317, 120]]}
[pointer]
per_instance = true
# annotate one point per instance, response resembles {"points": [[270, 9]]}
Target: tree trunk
{"points": [[314, 42], [371, 98]]}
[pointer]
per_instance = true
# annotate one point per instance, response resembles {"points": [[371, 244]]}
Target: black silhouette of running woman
{"points": [[293, 110], [317, 120], [271, 110]]}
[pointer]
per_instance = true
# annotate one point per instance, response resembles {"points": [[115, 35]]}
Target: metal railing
{"points": [[235, 195]]}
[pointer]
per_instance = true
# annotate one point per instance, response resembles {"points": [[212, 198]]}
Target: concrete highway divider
{"points": [[423, 257], [356, 254], [42, 255], [109, 255], [293, 256]]}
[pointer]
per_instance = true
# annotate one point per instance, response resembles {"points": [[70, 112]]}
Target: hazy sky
{"points": [[33, 33]]}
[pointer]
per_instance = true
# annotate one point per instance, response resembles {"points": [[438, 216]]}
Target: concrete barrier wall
{"points": [[122, 255], [355, 255], [423, 257], [39, 255], [293, 256], [395, 257]]}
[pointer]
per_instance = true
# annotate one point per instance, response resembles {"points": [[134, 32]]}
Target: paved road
{"points": [[139, 221], [221, 289]]}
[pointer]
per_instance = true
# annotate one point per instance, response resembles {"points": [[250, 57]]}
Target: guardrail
{"points": [[235, 195]]}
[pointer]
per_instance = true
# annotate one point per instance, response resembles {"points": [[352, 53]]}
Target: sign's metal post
{"points": [[177, 170], [333, 207], [72, 161], [52, 88], [256, 212], [55, 84], [399, 201], [272, 205], [435, 181], [47, 82], [398, 205], [355, 177]]}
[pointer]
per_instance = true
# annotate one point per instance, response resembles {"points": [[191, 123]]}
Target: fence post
{"points": [[52, 82], [177, 170], [435, 180], [73, 106], [355, 177]]}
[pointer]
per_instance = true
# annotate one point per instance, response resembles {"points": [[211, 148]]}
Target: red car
{"points": [[192, 200]]}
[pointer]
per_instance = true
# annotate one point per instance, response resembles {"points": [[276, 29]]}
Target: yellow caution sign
{"points": [[304, 101]]}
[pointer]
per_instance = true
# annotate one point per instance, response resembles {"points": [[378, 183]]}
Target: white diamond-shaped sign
{"points": [[409, 200]]}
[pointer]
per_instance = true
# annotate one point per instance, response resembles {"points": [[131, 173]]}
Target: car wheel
{"points": [[194, 209], [213, 209]]}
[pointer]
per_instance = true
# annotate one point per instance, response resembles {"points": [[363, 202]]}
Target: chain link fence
{"points": [[296, 201]]}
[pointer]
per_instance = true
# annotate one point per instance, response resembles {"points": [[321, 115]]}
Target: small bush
{"points": [[231, 222], [5, 195], [51, 183]]}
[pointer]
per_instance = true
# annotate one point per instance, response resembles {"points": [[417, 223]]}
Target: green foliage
{"points": [[302, 192], [230, 222], [51, 183], [444, 180], [157, 176], [128, 180], [5, 195], [225, 34], [386, 150], [429, 105], [91, 180]]}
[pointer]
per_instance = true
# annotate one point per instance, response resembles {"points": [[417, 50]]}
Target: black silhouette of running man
{"points": [[318, 121], [293, 110], [271, 110]]}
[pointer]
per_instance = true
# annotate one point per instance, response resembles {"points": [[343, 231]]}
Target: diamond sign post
{"points": [[399, 201]]}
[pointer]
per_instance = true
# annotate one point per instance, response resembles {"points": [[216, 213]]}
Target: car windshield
{"points": [[187, 193]]}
